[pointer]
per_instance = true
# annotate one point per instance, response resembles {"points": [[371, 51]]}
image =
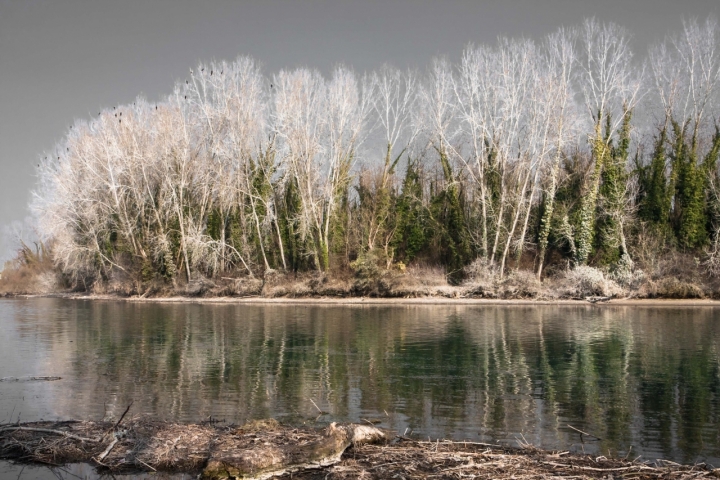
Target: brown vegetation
{"points": [[670, 276], [265, 449], [30, 272]]}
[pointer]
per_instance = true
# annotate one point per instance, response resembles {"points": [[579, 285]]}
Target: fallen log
{"points": [[29, 379], [597, 299], [268, 460]]}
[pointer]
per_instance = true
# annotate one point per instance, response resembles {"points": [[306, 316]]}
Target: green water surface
{"points": [[645, 381]]}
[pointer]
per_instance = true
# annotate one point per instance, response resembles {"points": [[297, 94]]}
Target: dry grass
{"points": [[278, 284], [584, 281], [30, 272], [673, 276]]}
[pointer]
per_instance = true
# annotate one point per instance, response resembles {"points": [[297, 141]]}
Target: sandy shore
{"points": [[358, 301]]}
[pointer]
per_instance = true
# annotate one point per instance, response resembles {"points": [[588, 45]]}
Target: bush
{"points": [[626, 275], [519, 284], [584, 281], [479, 272], [674, 288], [30, 272]]}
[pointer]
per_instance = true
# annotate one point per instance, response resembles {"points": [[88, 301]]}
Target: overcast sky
{"points": [[61, 60]]}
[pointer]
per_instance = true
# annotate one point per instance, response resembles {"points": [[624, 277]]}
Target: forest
{"points": [[552, 157]]}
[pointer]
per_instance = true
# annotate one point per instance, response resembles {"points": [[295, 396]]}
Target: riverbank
{"points": [[359, 301], [428, 284], [265, 449]]}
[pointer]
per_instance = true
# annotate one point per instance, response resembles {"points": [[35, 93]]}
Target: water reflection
{"points": [[642, 377]]}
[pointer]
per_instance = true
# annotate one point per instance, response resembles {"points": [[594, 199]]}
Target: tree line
{"points": [[524, 153]]}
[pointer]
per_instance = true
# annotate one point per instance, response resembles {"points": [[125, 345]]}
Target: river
{"points": [[640, 380]]}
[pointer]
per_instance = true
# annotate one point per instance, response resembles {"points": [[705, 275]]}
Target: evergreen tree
{"points": [[688, 178], [289, 220], [411, 237], [451, 233], [654, 196]]}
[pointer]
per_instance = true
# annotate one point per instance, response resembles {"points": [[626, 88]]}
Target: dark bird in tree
{"points": [[121, 114], [271, 85], [185, 97], [187, 83], [202, 69], [211, 73], [120, 120], [221, 72], [155, 107]]}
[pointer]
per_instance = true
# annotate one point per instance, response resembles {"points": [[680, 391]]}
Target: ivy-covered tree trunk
{"points": [[585, 230], [450, 223], [548, 207], [613, 191], [289, 224]]}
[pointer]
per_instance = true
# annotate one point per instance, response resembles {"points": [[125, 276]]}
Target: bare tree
{"points": [[610, 86], [319, 124], [392, 96], [560, 58]]}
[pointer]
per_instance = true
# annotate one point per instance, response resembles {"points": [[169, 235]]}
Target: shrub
{"points": [[30, 272], [626, 275], [519, 284], [584, 281], [674, 288]]}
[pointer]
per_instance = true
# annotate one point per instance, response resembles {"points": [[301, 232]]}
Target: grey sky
{"points": [[63, 60]]}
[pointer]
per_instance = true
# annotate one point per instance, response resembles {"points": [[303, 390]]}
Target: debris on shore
{"points": [[265, 449]]}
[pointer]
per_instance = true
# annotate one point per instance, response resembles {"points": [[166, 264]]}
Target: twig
{"points": [[628, 453], [318, 408], [583, 433], [123, 416], [149, 466], [463, 442], [594, 469]]}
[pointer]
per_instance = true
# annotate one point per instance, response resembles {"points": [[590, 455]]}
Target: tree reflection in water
{"points": [[642, 377]]}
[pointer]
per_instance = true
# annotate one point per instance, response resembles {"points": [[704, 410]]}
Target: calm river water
{"points": [[646, 378]]}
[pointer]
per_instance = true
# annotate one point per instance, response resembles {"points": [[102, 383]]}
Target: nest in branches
{"points": [[265, 449]]}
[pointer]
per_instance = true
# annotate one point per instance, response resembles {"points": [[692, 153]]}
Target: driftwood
{"points": [[265, 449], [598, 299], [29, 379], [267, 461], [63, 433]]}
